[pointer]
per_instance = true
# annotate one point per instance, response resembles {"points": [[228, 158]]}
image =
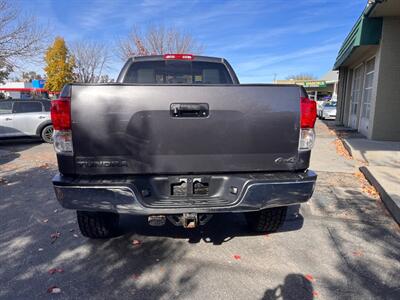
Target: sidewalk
{"points": [[382, 168]]}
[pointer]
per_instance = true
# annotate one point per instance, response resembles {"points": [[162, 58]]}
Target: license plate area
{"points": [[184, 187], [179, 188]]}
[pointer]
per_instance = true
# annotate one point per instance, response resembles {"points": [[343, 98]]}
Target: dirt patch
{"points": [[337, 179], [367, 188], [341, 149]]}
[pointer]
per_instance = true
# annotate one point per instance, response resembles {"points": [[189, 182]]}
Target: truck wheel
{"points": [[97, 225], [266, 220]]}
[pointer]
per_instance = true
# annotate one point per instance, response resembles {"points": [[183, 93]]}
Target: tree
{"points": [[157, 40], [301, 76], [31, 75], [59, 65], [104, 79], [5, 70], [91, 59], [21, 38]]}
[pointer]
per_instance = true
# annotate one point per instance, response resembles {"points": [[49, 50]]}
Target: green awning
{"points": [[366, 31]]}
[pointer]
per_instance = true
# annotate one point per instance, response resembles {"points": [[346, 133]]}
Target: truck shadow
{"points": [[103, 269], [220, 229]]}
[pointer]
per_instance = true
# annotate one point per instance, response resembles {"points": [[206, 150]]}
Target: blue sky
{"points": [[261, 39]]}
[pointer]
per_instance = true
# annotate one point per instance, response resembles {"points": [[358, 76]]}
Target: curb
{"points": [[347, 147], [355, 156], [389, 202]]}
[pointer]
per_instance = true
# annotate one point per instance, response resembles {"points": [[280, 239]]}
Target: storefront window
{"points": [[369, 78]]}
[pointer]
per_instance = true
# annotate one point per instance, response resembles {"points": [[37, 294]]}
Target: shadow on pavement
{"points": [[6, 157], [20, 143], [161, 266], [10, 147], [111, 269], [341, 131], [294, 287], [220, 229], [363, 239], [27, 251]]}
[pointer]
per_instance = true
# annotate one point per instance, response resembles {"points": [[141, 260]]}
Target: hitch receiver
{"points": [[189, 220]]}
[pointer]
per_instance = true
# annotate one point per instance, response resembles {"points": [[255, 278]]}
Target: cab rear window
{"points": [[177, 72]]}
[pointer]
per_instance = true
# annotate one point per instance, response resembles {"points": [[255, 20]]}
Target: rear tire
{"points": [[98, 225], [47, 134], [266, 220]]}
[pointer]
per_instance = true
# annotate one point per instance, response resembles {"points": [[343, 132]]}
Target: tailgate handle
{"points": [[189, 110]]}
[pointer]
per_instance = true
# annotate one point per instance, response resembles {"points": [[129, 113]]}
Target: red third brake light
{"points": [[179, 56], [308, 111], [61, 113]]}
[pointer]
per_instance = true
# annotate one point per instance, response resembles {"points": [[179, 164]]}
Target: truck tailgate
{"points": [[180, 129]]}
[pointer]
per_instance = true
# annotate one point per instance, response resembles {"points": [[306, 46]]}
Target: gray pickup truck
{"points": [[178, 138]]}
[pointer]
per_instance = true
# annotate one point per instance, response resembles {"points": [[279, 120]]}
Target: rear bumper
{"points": [[147, 195]]}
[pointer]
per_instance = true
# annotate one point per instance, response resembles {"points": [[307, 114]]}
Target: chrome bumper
{"points": [[144, 195]]}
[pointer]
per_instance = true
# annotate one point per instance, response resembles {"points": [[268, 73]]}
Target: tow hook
{"points": [[189, 220]]}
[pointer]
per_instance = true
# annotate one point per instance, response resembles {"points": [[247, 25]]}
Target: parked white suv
{"points": [[26, 118]]}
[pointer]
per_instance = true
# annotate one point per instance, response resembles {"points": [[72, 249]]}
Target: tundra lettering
{"points": [[101, 163]]}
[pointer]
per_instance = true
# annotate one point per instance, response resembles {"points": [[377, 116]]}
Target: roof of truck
{"points": [[178, 57]]}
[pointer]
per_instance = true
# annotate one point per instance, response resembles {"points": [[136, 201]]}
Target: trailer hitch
{"points": [[189, 220]]}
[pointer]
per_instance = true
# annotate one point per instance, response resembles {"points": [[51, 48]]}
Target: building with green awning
{"points": [[321, 89], [369, 73]]}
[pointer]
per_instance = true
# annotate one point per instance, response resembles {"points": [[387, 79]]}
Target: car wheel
{"points": [[47, 134], [98, 225], [266, 220]]}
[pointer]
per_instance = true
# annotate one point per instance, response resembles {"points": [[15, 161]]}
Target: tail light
{"points": [[61, 119], [308, 116], [308, 113], [61, 113], [179, 56]]}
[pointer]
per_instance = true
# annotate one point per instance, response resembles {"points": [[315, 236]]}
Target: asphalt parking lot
{"points": [[342, 244]]}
